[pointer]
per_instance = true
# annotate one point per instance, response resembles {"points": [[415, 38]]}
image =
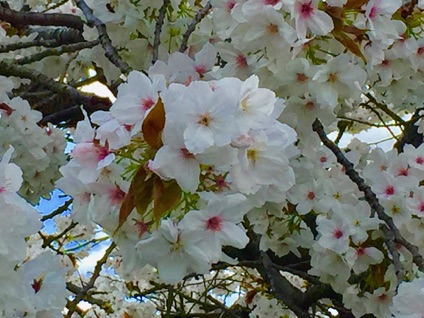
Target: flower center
{"points": [[306, 10], [147, 103], [230, 5], [241, 61], [272, 29], [310, 105], [337, 233], [200, 69], [373, 12], [252, 155], [205, 120], [360, 251], [36, 285], [301, 78], [271, 2], [332, 77], [186, 154], [214, 223], [116, 195], [390, 190]]}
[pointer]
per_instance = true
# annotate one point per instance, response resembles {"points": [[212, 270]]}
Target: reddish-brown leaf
{"points": [[166, 196], [127, 315], [153, 126], [355, 4], [139, 196], [351, 45], [250, 295], [354, 30]]}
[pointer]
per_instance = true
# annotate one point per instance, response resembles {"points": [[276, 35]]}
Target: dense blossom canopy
{"points": [[207, 181]]}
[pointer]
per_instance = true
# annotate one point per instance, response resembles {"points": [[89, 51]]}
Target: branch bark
{"points": [[19, 18], [110, 51]]}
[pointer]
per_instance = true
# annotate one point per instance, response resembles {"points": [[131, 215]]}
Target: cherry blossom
{"points": [[240, 193], [308, 16]]}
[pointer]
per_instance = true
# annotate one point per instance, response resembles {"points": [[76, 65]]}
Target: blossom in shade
{"points": [[308, 16]]}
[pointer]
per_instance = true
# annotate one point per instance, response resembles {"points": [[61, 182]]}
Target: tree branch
{"points": [[391, 233], [90, 102], [158, 29], [56, 52], [281, 287], [83, 292], [19, 18], [58, 211], [61, 35], [110, 51], [190, 29], [4, 48]]}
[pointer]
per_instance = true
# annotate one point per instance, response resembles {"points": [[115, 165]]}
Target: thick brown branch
{"points": [[281, 287], [61, 35], [90, 102], [19, 18]]}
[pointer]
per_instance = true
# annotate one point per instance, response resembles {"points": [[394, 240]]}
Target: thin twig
{"points": [[158, 29], [56, 51], [47, 240], [190, 29], [56, 5], [58, 211], [110, 51], [384, 108], [83, 292], [366, 122], [381, 119]]}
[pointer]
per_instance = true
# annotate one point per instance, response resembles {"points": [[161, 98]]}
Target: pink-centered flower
{"points": [[334, 233], [308, 16], [136, 98], [219, 222]]}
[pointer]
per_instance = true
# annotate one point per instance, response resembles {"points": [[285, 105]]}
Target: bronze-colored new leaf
{"points": [[166, 196], [355, 4], [354, 30], [153, 126], [351, 45], [139, 196]]}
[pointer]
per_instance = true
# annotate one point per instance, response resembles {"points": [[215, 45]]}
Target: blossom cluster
{"points": [[214, 140], [197, 157], [38, 151], [29, 287]]}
